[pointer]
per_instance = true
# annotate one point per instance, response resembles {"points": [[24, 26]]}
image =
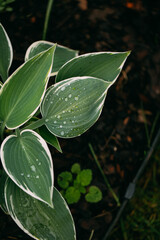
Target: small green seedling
{"points": [[32, 115], [5, 5], [76, 182]]}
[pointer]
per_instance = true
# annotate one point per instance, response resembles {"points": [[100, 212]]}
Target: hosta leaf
{"points": [[103, 65], [73, 106], [6, 53], [28, 162], [36, 218], [22, 93], [49, 137], [62, 54]]}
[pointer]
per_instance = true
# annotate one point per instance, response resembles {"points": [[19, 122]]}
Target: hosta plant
{"points": [[32, 116]]}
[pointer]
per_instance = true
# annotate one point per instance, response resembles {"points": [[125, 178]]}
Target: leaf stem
{"points": [[35, 125], [48, 12], [92, 232], [17, 132], [103, 175]]}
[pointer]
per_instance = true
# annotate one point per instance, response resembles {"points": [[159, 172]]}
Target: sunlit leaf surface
{"points": [[103, 65], [22, 93], [73, 106], [62, 54], [27, 161]]}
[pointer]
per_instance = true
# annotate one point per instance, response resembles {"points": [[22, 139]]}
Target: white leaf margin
{"points": [[94, 54], [43, 94], [44, 145], [10, 46], [35, 44], [20, 224]]}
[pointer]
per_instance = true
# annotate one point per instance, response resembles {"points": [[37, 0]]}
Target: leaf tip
{"points": [[53, 48], [128, 53]]}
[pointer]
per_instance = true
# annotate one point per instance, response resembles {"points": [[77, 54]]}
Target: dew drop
{"points": [[66, 99], [22, 174], [58, 116], [64, 122], [46, 120], [36, 159], [37, 176], [63, 88], [33, 168], [62, 133], [76, 98], [39, 163], [28, 175], [51, 102], [55, 121], [72, 121], [70, 95], [60, 126]]}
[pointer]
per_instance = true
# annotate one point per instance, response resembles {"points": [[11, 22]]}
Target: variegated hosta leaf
{"points": [[103, 65], [6, 53], [62, 54], [49, 137], [73, 105], [22, 93], [28, 162], [36, 218]]}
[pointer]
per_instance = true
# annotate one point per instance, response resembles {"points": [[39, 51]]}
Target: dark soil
{"points": [[119, 138]]}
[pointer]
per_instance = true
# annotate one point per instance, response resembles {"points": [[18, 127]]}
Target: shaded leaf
{"points": [[36, 218], [62, 54], [6, 53], [64, 179], [94, 195], [49, 138], [85, 177], [103, 65], [71, 107], [22, 93], [72, 195], [76, 168], [28, 162], [82, 189]]}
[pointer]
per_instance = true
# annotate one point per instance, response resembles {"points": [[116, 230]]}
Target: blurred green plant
{"points": [[141, 219], [76, 182], [5, 5]]}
